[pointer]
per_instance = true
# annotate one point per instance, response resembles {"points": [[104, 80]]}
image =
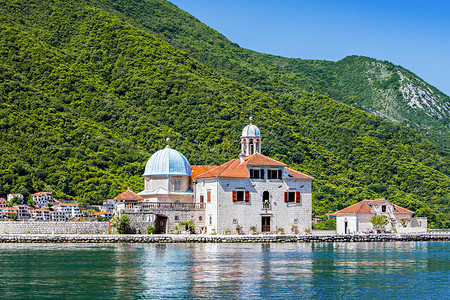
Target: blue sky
{"points": [[414, 34]]}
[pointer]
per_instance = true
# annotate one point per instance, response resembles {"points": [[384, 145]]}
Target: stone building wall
{"points": [[140, 220], [54, 227]]}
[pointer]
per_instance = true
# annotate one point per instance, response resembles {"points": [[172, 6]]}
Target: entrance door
{"points": [[265, 224], [161, 222]]}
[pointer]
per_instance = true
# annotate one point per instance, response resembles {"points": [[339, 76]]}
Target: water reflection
{"points": [[256, 271]]}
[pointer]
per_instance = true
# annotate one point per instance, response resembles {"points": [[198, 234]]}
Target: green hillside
{"points": [[86, 97], [365, 83]]}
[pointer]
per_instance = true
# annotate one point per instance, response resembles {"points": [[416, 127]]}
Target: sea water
{"points": [[381, 270]]}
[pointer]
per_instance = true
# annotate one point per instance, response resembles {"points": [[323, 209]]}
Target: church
{"points": [[250, 194]]}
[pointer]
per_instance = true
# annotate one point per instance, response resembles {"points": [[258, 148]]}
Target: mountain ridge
{"points": [[345, 80]]}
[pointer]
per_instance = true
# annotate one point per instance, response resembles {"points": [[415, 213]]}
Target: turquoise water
{"points": [[399, 270]]}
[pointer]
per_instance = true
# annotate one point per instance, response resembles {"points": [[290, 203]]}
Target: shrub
{"points": [[150, 229]]}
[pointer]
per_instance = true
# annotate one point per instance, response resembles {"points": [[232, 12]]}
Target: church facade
{"points": [[252, 193]]}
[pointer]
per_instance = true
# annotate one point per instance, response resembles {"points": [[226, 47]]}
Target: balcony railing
{"points": [[172, 206], [266, 205]]}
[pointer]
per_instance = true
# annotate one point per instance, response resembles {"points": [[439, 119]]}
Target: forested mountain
{"points": [[376, 86], [87, 94]]}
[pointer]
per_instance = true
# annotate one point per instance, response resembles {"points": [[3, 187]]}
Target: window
{"points": [[208, 195], [292, 197], [383, 208], [240, 196], [210, 220], [176, 218], [202, 198], [256, 174], [274, 174], [177, 185]]}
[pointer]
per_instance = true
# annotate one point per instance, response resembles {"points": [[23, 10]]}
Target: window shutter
{"points": [[262, 173], [247, 196], [279, 174], [208, 195], [234, 196], [297, 197], [269, 174], [286, 197]]}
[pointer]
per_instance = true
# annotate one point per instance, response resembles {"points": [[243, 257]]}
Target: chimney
{"points": [[242, 157]]}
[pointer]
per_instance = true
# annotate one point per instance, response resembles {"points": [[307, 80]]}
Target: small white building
{"points": [[355, 219], [58, 216], [9, 197], [42, 198], [108, 205], [3, 203], [71, 210], [41, 214], [22, 211], [104, 214]]}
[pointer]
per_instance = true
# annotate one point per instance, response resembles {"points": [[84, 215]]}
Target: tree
{"points": [[188, 225], [13, 216], [14, 201], [150, 229], [122, 223], [380, 222]]}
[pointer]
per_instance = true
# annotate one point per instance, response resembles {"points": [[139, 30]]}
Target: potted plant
{"points": [[280, 230], [253, 229], [238, 229], [176, 229], [294, 229]]}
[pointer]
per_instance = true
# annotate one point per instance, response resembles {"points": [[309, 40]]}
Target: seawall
{"points": [[85, 238]]}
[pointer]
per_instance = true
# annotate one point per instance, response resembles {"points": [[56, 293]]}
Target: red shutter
{"points": [[234, 196], [208, 196], [297, 197], [247, 196], [286, 197]]}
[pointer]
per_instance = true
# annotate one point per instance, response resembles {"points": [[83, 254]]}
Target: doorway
{"points": [[160, 224], [265, 222]]}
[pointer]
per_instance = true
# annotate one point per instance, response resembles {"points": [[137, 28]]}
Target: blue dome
{"points": [[167, 162], [251, 130]]}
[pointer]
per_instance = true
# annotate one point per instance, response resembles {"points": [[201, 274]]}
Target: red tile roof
{"points": [[297, 174], [198, 170], [365, 206], [259, 159], [234, 168], [129, 195]]}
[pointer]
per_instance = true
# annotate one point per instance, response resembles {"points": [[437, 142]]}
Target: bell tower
{"points": [[251, 139]]}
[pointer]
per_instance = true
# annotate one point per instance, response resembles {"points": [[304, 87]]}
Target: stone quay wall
{"points": [[45, 227], [60, 238]]}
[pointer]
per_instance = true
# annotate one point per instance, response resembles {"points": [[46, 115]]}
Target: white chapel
{"points": [[252, 193]]}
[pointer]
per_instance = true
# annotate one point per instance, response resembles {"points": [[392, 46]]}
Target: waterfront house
{"points": [[71, 210], [42, 198], [356, 218], [21, 210], [41, 214], [58, 215]]}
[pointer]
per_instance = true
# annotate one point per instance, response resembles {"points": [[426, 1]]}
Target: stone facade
{"points": [[54, 227], [223, 215]]}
